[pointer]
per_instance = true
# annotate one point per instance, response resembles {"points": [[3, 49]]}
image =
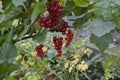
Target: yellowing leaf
{"points": [[77, 56], [82, 62], [82, 67], [84, 50], [67, 64], [33, 53], [45, 49], [71, 67], [18, 57], [75, 61], [24, 67]]}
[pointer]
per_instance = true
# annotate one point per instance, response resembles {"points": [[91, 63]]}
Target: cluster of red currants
{"points": [[69, 37], [52, 22], [63, 27], [58, 45], [39, 50]]}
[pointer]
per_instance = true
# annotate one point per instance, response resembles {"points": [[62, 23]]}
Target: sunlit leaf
{"points": [[81, 2]]}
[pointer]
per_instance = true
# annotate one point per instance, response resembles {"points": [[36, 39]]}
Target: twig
{"points": [[24, 6], [81, 16], [84, 73], [52, 71], [65, 1], [26, 37]]}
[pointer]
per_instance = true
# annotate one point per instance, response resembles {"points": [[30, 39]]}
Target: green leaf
{"points": [[108, 9], [79, 10], [101, 42], [18, 2], [2, 17], [81, 2], [9, 78], [25, 29], [5, 25], [39, 7], [94, 58], [7, 50], [69, 5], [80, 21], [41, 36], [68, 8], [12, 12], [5, 3], [7, 68], [2, 39], [100, 27]]}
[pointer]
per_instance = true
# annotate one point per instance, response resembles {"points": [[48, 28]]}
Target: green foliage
{"points": [[6, 67], [7, 50], [39, 7], [41, 36], [2, 39], [69, 7], [19, 22], [81, 21], [23, 31], [100, 27], [108, 9], [5, 3], [81, 2], [101, 42], [18, 2], [2, 17], [12, 12]]}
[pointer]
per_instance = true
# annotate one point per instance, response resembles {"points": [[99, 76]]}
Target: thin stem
{"points": [[65, 1], [26, 37], [24, 6], [79, 17], [84, 73], [52, 71], [77, 75], [64, 58]]}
